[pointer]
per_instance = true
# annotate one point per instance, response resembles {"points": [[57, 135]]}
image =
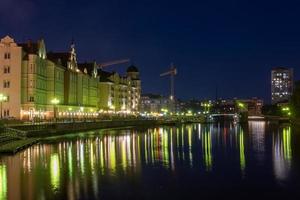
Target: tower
{"points": [[281, 84]]}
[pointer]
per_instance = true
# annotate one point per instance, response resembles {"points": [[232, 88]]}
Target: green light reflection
{"points": [[54, 171], [207, 150], [242, 150], [3, 182]]}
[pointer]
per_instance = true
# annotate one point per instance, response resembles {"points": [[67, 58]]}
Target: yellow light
{"points": [[241, 105], [55, 171], [3, 97], [55, 101]]}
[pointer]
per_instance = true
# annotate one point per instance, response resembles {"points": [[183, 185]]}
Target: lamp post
{"points": [[2, 98], [55, 101]]}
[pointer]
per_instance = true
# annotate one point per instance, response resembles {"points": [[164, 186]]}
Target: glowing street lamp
{"points": [[241, 105], [286, 110], [55, 101], [2, 98]]}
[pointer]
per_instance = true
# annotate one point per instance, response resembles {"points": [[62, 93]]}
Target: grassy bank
{"points": [[17, 145]]}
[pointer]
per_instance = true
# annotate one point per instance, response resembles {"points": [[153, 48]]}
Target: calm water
{"points": [[199, 161]]}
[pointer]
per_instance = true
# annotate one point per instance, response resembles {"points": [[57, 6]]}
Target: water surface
{"points": [[199, 161]]}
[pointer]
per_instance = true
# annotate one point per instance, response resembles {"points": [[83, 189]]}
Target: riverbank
{"points": [[18, 137], [17, 145], [52, 129]]}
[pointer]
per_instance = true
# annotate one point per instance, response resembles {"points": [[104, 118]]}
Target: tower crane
{"points": [[172, 72], [115, 62]]}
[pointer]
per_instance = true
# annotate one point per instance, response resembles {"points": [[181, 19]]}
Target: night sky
{"points": [[228, 44]]}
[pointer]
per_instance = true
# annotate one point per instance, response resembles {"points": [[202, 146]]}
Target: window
{"points": [[6, 84], [6, 69], [31, 68], [6, 113], [31, 83], [31, 99], [6, 55]]}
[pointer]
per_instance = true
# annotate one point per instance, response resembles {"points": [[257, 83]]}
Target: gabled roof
{"points": [[30, 47], [61, 58], [88, 66], [104, 75]]}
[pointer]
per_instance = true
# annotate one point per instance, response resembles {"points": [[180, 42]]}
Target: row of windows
{"points": [[39, 99], [41, 84], [39, 70]]}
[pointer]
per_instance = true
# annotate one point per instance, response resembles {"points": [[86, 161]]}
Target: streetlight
{"points": [[2, 98], [286, 111], [55, 101]]}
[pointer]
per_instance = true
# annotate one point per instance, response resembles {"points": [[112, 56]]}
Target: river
{"points": [[188, 161]]}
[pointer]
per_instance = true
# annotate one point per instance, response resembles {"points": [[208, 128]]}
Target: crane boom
{"points": [[165, 73], [115, 62]]}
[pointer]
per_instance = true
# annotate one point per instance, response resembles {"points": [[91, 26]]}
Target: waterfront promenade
{"points": [[15, 137]]}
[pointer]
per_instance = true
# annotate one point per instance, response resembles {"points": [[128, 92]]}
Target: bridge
{"points": [[224, 114], [214, 116]]}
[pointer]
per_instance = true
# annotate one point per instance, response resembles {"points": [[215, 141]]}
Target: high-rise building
{"points": [[36, 84], [281, 84]]}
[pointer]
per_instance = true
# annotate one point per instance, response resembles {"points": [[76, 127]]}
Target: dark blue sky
{"points": [[229, 44]]}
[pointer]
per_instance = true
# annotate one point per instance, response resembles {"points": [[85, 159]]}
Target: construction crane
{"points": [[115, 62], [172, 72]]}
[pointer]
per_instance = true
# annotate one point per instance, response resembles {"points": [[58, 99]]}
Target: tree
{"points": [[295, 100], [272, 110]]}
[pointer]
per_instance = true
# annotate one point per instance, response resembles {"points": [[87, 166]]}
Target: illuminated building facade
{"points": [[120, 93], [31, 79], [281, 84], [253, 106]]}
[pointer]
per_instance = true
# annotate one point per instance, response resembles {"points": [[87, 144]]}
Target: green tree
{"points": [[295, 100]]}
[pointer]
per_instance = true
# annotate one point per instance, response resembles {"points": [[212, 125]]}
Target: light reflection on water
{"points": [[282, 153], [80, 167]]}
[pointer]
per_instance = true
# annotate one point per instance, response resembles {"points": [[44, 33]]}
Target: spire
{"points": [[72, 44], [73, 60]]}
